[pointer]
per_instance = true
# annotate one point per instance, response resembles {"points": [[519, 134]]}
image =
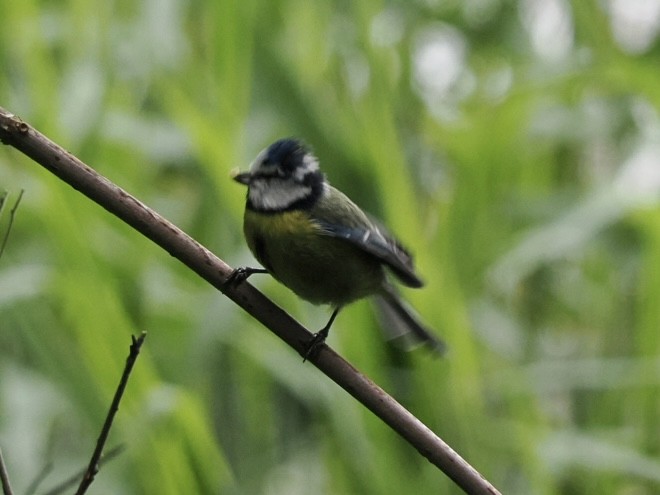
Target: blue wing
{"points": [[372, 240]]}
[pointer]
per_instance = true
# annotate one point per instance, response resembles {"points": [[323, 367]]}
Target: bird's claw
{"points": [[241, 274], [314, 344]]}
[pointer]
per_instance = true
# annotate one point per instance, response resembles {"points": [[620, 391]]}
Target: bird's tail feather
{"points": [[403, 320]]}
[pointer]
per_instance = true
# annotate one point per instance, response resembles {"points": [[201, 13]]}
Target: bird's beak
{"points": [[242, 178]]}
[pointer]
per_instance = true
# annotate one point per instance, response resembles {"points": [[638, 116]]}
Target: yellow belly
{"points": [[319, 268]]}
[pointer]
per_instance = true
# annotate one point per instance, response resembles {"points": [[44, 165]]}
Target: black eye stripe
{"points": [[278, 174]]}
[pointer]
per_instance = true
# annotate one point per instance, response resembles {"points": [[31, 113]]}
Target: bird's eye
{"points": [[271, 168]]}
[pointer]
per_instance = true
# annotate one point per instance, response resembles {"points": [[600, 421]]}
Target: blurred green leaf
{"points": [[512, 146]]}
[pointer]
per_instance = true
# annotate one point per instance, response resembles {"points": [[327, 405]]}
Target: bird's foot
{"points": [[315, 343], [241, 274]]}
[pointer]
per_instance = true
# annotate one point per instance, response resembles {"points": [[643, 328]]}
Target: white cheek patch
{"points": [[276, 194], [309, 164]]}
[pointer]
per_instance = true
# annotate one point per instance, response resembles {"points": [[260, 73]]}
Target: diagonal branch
{"points": [[20, 135]]}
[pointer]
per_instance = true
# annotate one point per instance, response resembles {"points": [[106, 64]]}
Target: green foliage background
{"points": [[513, 146]]}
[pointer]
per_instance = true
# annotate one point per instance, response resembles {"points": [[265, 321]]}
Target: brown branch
{"points": [[15, 132]]}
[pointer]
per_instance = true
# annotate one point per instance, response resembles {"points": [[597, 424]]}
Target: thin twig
{"points": [[4, 477], [12, 213], [75, 478], [15, 132], [93, 466]]}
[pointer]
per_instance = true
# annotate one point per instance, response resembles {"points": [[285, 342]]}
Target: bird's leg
{"points": [[241, 274], [319, 337]]}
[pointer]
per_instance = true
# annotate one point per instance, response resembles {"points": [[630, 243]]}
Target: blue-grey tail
{"points": [[403, 322]]}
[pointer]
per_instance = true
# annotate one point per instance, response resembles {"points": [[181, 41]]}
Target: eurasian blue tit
{"points": [[317, 242]]}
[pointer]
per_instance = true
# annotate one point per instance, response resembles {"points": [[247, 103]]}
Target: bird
{"points": [[314, 240]]}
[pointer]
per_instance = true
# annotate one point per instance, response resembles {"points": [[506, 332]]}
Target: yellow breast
{"points": [[319, 268]]}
